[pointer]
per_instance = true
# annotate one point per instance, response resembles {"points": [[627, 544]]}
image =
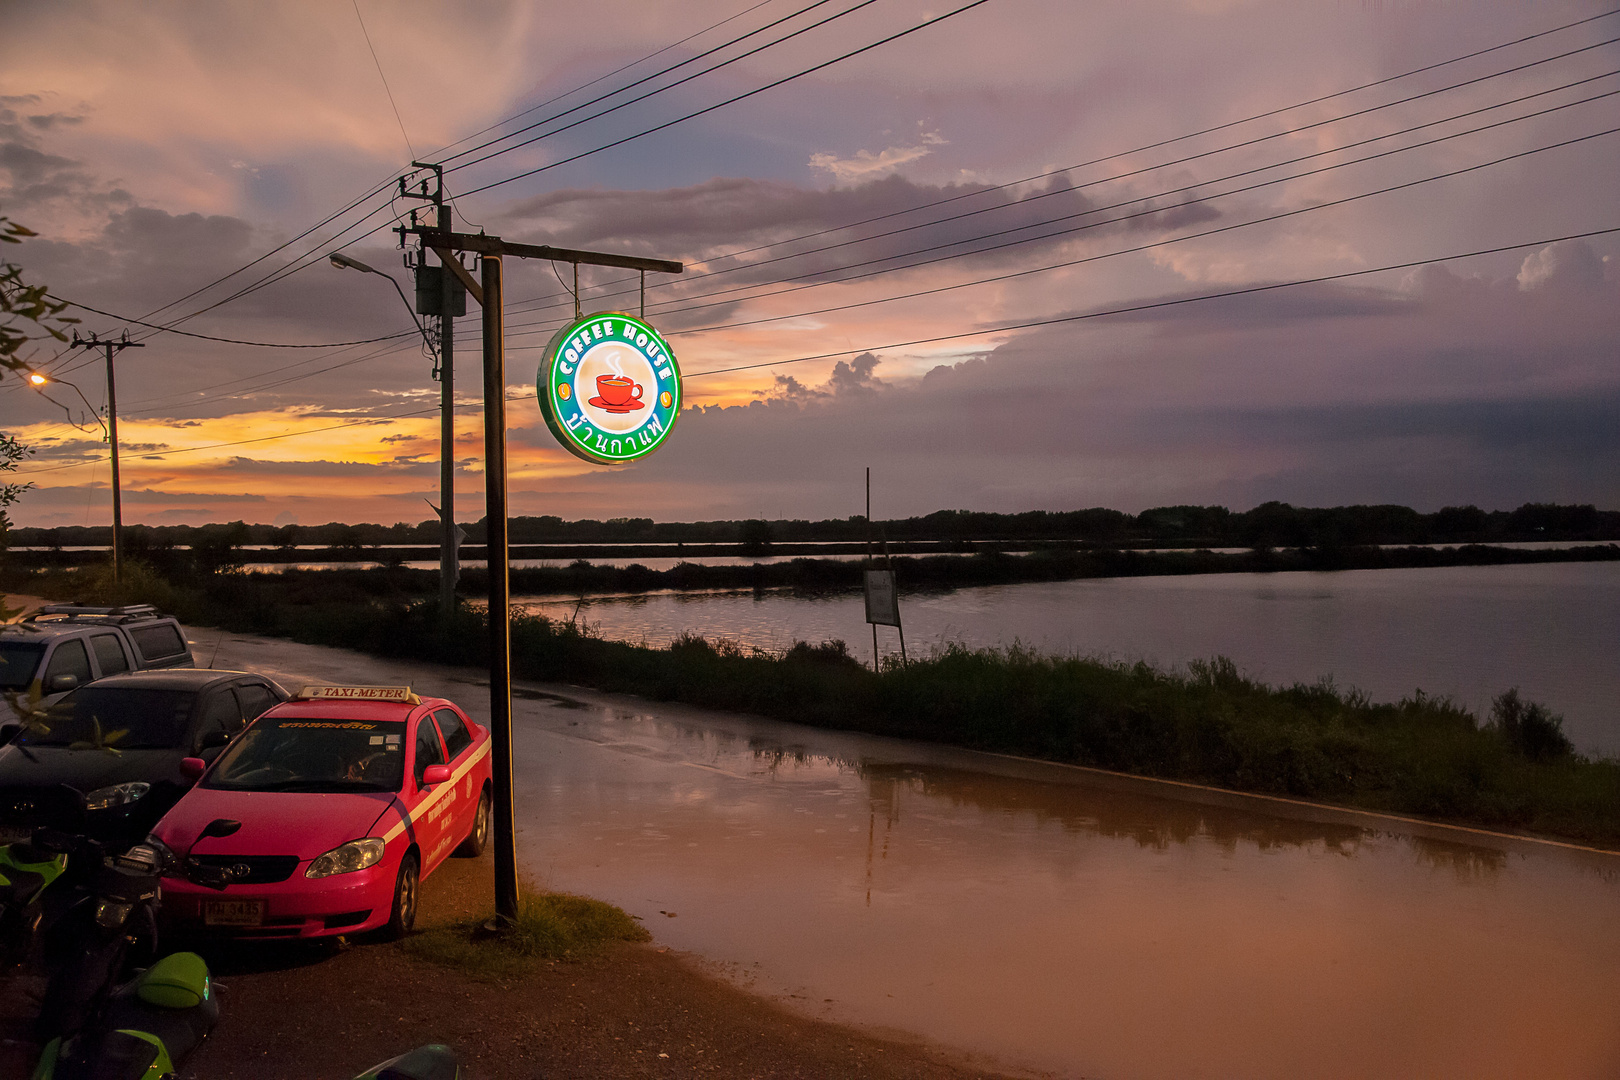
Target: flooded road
{"points": [[1052, 919]]}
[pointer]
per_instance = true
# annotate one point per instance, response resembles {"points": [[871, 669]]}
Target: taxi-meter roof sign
{"points": [[359, 693]]}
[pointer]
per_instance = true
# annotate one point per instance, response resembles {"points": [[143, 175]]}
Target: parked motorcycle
{"points": [[84, 911], [85, 915], [143, 1030]]}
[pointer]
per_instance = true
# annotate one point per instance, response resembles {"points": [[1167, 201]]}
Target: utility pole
{"points": [[111, 347], [491, 251], [446, 298]]}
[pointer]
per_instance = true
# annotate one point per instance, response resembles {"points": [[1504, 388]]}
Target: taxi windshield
{"points": [[288, 753]]}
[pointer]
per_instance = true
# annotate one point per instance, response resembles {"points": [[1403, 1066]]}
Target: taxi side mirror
{"points": [[192, 767], [435, 774], [62, 683]]}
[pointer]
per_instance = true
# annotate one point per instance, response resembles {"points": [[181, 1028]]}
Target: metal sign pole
{"points": [[869, 556], [500, 612], [497, 548]]}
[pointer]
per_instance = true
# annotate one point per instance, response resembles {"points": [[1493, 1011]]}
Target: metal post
{"points": [[449, 564], [112, 438], [869, 556], [500, 614], [888, 564]]}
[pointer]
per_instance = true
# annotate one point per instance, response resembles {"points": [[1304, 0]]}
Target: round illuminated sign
{"points": [[609, 388]]}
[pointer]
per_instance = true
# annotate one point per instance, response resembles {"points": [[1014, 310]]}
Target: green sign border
{"points": [[562, 411]]}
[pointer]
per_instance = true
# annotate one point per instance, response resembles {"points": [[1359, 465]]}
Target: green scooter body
{"points": [[154, 1021], [25, 874]]}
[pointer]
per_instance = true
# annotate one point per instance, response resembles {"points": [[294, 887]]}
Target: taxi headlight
{"points": [[355, 855], [110, 798]]}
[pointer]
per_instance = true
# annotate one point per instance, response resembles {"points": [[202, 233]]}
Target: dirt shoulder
{"points": [[320, 1013], [633, 1011]]}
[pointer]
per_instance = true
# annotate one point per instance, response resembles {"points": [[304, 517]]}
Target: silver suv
{"points": [[63, 646]]}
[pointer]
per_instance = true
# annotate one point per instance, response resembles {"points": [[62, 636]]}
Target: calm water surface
{"points": [[1047, 918], [1470, 632]]}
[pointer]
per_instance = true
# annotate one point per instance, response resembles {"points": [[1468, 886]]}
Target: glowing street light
{"points": [[39, 382]]}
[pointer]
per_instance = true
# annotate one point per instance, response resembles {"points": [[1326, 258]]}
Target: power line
{"points": [[294, 267], [300, 262], [648, 78], [1110, 221], [231, 341], [1025, 325], [1032, 323], [731, 100], [1181, 161], [616, 71], [386, 88], [1182, 138]]}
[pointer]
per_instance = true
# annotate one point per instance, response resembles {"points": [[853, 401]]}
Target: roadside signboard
{"points": [[882, 607], [609, 388]]}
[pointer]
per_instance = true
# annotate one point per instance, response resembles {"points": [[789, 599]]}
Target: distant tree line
{"points": [[1269, 525]]}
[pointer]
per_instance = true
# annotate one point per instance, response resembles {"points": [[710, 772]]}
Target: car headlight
{"points": [[109, 798], [355, 855]]}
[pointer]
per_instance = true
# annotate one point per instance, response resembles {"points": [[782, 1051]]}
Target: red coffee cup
{"points": [[617, 389]]}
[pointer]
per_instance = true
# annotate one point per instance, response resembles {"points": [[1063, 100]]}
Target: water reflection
{"points": [[1466, 632], [1080, 927]]}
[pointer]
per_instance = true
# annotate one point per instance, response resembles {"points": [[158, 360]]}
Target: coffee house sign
{"points": [[609, 388]]}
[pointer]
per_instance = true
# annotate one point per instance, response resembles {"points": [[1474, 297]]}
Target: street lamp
{"points": [[109, 431], [345, 262], [39, 382]]}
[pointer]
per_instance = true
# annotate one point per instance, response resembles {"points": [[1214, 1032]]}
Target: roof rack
{"points": [[123, 613]]}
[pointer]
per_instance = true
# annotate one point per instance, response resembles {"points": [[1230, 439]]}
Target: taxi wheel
{"points": [[403, 916], [473, 846]]}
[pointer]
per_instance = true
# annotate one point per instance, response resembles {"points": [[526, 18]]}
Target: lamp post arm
{"points": [[69, 413]]}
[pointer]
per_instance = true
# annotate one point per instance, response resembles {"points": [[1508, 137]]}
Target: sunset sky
{"points": [[896, 248]]}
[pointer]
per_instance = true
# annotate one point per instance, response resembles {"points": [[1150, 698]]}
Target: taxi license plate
{"points": [[233, 912]]}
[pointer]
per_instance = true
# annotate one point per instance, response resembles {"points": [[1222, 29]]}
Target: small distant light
{"points": [[38, 380]]}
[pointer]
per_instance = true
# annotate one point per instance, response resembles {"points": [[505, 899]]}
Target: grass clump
{"points": [[550, 927]]}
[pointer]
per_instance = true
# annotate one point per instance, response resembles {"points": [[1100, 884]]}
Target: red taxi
{"points": [[327, 812]]}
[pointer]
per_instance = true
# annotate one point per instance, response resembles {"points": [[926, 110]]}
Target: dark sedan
{"points": [[118, 744]]}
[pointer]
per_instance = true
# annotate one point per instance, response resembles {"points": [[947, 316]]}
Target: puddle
{"points": [[1060, 927], [1072, 927]]}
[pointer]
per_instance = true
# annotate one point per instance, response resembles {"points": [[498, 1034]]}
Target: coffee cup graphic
{"points": [[617, 392]]}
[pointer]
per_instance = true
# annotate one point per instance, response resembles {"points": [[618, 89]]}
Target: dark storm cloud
{"points": [[32, 178], [709, 222], [1454, 390], [1575, 426]]}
